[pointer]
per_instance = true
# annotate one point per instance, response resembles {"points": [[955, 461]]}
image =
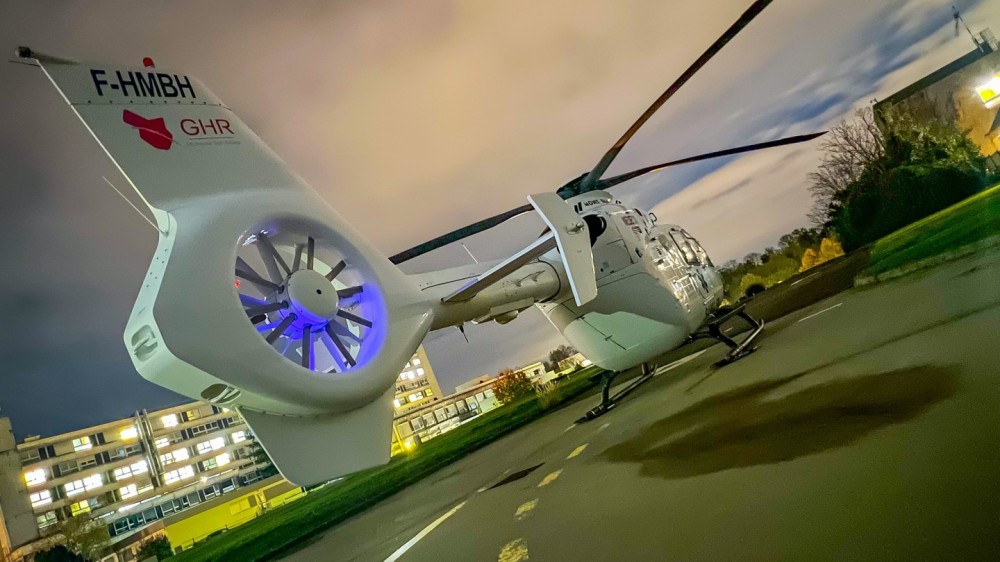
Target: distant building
{"points": [[474, 382], [416, 384], [573, 362], [964, 92], [537, 373], [126, 474], [444, 413]]}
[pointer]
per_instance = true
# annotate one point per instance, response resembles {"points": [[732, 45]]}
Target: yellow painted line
{"points": [[577, 451], [550, 478], [525, 509], [514, 551], [409, 544]]}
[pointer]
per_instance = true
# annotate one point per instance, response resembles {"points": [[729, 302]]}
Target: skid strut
{"points": [[737, 350], [607, 400]]}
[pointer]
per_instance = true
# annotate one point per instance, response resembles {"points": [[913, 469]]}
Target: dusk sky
{"points": [[414, 118]]}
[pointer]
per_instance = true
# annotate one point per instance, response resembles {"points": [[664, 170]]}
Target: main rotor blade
{"points": [[756, 8], [613, 181], [455, 235]]}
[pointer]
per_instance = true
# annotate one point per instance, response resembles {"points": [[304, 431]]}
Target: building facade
{"points": [[440, 415], [416, 385], [128, 473], [965, 93]]}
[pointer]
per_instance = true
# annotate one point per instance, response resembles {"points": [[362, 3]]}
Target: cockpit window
{"points": [[699, 250], [687, 249]]}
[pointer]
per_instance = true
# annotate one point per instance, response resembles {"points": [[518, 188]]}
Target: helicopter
{"points": [[260, 297]]}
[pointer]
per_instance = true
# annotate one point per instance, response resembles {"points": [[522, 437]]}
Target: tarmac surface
{"points": [[867, 426]]}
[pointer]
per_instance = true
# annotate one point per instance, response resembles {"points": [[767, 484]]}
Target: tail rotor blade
{"points": [[280, 329], [346, 353], [245, 272], [310, 253], [307, 349], [266, 247], [349, 292], [354, 318], [342, 331], [297, 260], [335, 270], [264, 309]]}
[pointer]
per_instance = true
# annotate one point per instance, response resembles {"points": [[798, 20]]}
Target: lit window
{"points": [[171, 477], [35, 477], [82, 444], [46, 519], [123, 473], [186, 472], [415, 361], [209, 464], [989, 91], [174, 456], [420, 371], [128, 491], [223, 459], [396, 403], [73, 488], [139, 467], [169, 421], [80, 508], [179, 474], [129, 433], [95, 481], [162, 442], [41, 498], [212, 445], [239, 437]]}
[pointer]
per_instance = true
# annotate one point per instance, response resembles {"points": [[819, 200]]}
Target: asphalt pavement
{"points": [[867, 426]]}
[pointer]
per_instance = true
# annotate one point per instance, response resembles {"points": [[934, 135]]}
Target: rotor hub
{"points": [[311, 297]]}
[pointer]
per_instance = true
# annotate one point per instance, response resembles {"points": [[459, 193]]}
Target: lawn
{"points": [[965, 222], [283, 528]]}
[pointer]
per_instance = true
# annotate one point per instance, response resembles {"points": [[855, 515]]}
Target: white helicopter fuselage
{"points": [[656, 286]]}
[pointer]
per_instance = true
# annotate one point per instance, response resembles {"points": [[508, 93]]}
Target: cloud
{"points": [[416, 118]]}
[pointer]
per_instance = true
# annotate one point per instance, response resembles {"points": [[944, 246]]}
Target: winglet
{"points": [[573, 240]]}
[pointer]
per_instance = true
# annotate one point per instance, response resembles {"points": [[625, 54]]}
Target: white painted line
{"points": [[603, 427], [514, 551], [678, 363], [525, 510], [803, 279], [820, 312], [577, 451], [550, 478], [409, 544], [569, 428]]}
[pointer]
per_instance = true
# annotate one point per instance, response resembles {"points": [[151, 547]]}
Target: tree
{"points": [[158, 547], [883, 172], [80, 535], [558, 354], [511, 385]]}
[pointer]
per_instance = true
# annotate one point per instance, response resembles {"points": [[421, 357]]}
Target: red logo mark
{"points": [[153, 131]]}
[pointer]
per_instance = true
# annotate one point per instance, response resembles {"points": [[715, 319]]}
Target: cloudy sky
{"points": [[413, 118]]}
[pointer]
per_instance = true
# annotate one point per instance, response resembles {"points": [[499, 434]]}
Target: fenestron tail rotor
{"points": [[304, 300]]}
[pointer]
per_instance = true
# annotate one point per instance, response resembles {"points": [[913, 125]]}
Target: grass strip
{"points": [[282, 529]]}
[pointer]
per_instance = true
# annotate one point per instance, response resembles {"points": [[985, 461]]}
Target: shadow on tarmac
{"points": [[747, 427]]}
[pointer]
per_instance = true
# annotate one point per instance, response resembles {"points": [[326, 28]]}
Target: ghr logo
{"points": [[153, 131]]}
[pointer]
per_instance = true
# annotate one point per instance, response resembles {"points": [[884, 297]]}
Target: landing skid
{"points": [[737, 350], [607, 400]]}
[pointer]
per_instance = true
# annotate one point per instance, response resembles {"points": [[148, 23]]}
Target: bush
{"points": [[512, 385], [158, 547], [869, 212]]}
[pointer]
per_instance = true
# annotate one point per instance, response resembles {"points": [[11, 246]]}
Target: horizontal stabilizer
{"points": [[503, 269]]}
